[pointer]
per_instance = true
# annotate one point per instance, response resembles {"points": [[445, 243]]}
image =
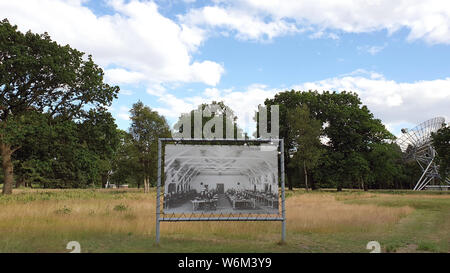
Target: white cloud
{"points": [[207, 72], [427, 20], [247, 25], [156, 90], [393, 102], [122, 76], [322, 34], [124, 113], [212, 93], [375, 49], [244, 103], [126, 92], [136, 40], [372, 50]]}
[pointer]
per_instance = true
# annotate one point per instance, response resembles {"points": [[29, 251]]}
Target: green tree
{"points": [[146, 127], [386, 165], [305, 134], [54, 155], [99, 132], [348, 125], [126, 165], [441, 143], [352, 129], [36, 73], [33, 131]]}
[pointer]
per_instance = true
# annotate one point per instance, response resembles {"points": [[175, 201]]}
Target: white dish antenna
{"points": [[416, 144]]}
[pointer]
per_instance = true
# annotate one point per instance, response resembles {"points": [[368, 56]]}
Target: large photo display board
{"points": [[221, 179]]}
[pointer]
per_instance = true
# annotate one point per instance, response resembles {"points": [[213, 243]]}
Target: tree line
{"points": [[56, 131]]}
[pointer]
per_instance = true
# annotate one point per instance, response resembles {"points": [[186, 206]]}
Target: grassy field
{"points": [[323, 221]]}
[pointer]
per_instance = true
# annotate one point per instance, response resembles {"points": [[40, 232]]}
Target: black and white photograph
{"points": [[215, 179]]}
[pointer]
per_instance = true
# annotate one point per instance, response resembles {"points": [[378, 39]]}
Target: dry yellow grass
{"points": [[305, 213], [323, 213]]}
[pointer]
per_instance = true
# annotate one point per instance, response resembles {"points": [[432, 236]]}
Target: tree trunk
{"points": [[364, 186], [289, 178], [146, 186], [20, 182], [306, 175], [288, 171], [7, 166], [104, 179], [313, 183]]}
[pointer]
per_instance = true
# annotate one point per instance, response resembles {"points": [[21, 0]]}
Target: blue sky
{"points": [[174, 54]]}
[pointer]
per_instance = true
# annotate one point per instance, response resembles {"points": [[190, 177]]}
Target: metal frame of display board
{"points": [[220, 217]]}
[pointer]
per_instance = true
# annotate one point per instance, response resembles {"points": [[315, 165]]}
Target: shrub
{"points": [[121, 207], [64, 210]]}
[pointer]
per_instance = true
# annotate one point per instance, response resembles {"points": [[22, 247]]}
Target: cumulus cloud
{"points": [[123, 76], [134, 44], [245, 24], [372, 50], [124, 113], [427, 20], [244, 103], [393, 102], [126, 92]]}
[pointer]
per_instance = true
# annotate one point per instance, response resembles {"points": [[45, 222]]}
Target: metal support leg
{"points": [[283, 209], [420, 182], [158, 188], [425, 182]]}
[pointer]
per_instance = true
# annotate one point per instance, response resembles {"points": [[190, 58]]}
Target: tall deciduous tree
{"points": [[348, 125], [54, 153], [37, 73], [386, 166], [352, 129], [305, 134], [99, 132], [146, 127], [441, 142], [126, 166]]}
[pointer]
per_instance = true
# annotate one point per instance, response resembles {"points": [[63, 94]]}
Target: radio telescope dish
{"points": [[416, 144]]}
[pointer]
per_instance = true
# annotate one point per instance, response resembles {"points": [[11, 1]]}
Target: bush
{"points": [[63, 211], [121, 207]]}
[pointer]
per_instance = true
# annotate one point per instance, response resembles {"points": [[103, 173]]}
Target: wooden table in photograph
{"points": [[270, 201], [196, 204], [243, 202], [262, 199]]}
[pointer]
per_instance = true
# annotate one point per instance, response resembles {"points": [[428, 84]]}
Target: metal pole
{"points": [[424, 172], [158, 204], [283, 208], [228, 219]]}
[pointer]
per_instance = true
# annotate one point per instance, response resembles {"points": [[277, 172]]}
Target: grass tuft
{"points": [[63, 211], [121, 207]]}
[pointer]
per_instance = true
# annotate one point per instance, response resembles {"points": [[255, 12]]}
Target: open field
{"points": [[323, 221]]}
